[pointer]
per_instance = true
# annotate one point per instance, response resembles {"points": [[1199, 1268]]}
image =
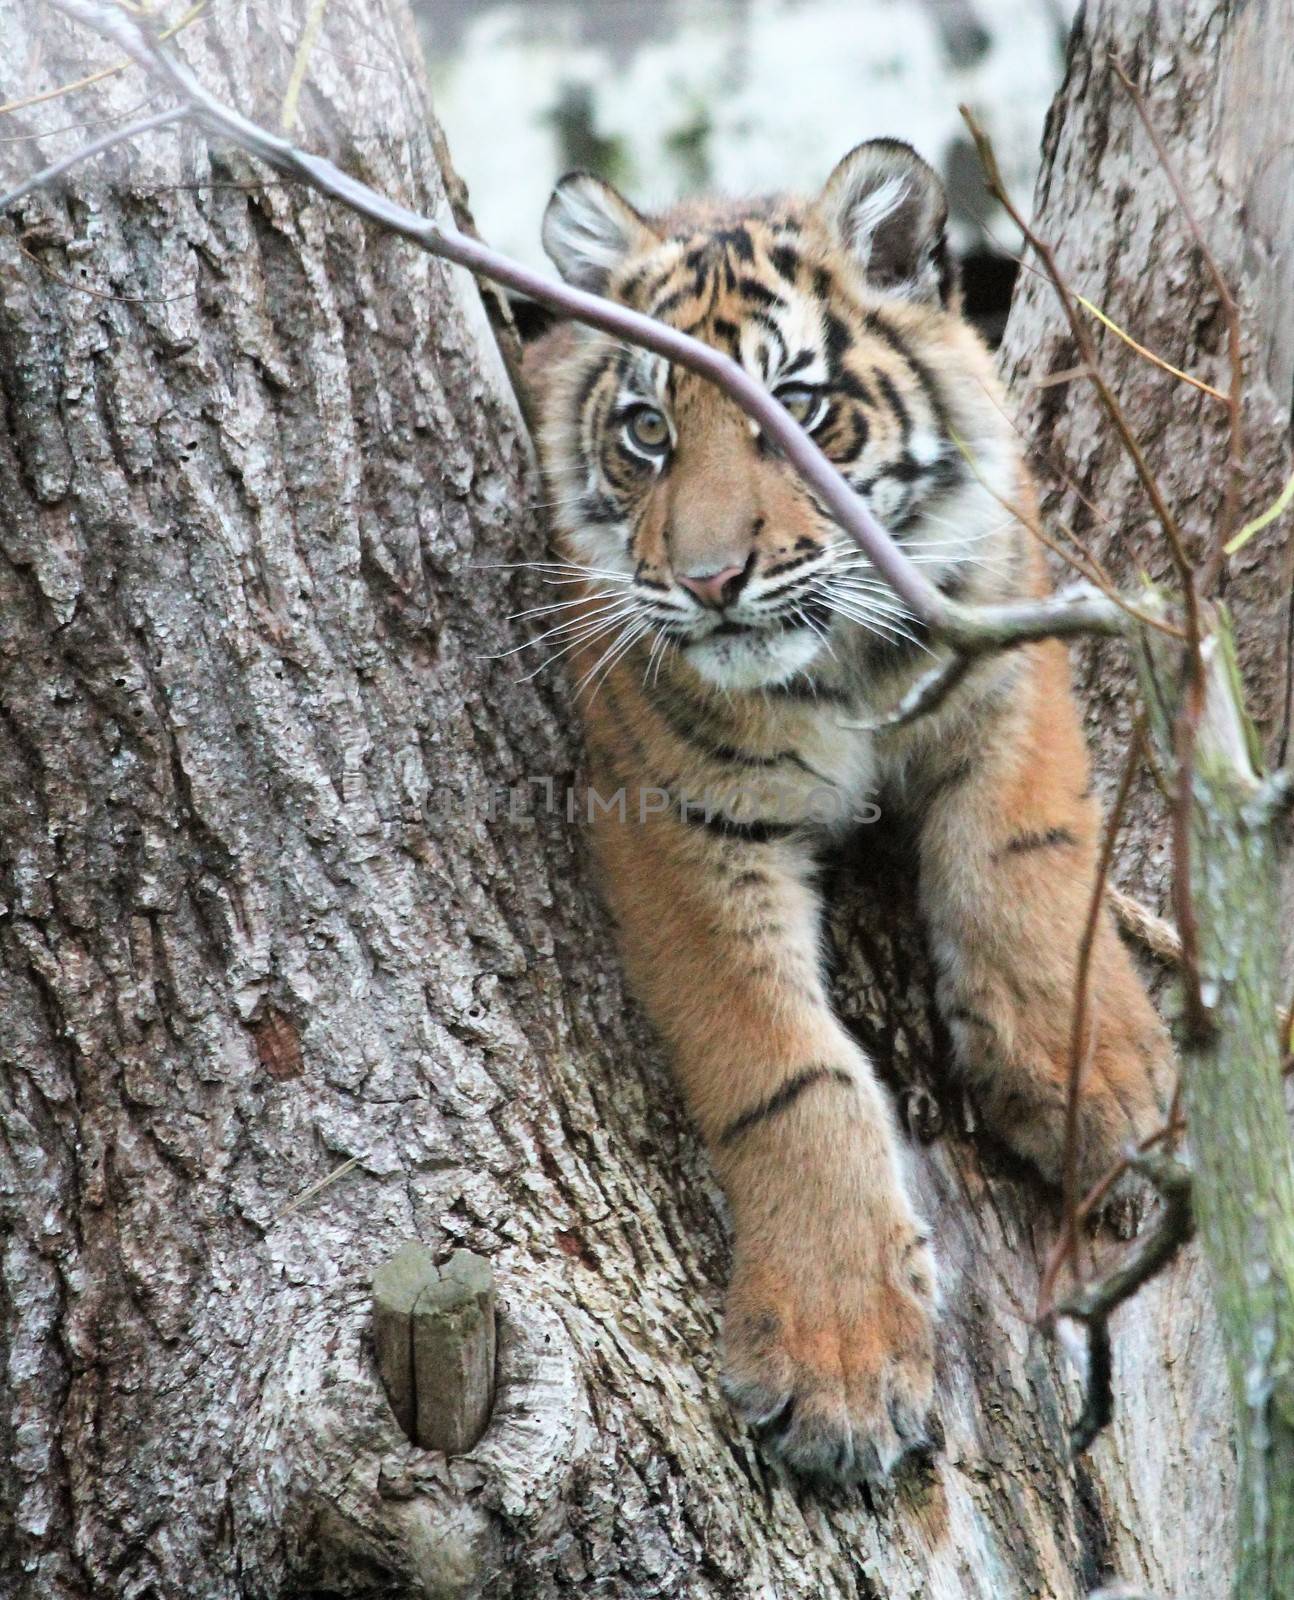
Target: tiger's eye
{"points": [[648, 429], [803, 404]]}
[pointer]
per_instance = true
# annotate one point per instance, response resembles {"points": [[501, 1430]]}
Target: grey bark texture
{"points": [[260, 925]]}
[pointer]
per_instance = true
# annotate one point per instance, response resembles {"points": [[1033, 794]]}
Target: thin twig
{"points": [[1193, 583], [105, 294], [1087, 350], [927, 694], [1148, 355], [1172, 1126], [973, 630], [1089, 569], [1278, 508], [1230, 515], [1094, 1302], [78, 127], [301, 64], [185, 21], [1092, 1201], [1057, 468], [1078, 1039], [132, 130], [317, 1187]]}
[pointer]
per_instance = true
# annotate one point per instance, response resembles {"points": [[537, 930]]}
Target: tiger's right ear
{"points": [[589, 229]]}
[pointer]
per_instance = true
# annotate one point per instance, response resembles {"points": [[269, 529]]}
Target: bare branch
{"points": [[96, 147], [1278, 508], [968, 630], [1093, 1303], [194, 15], [1087, 567], [79, 127], [1087, 350], [301, 64], [1079, 1044], [1146, 355], [1098, 1405], [444, 239], [977, 630], [1235, 395], [927, 694]]}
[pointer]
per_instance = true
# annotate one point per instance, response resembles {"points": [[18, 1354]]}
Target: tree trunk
{"points": [[263, 927]]}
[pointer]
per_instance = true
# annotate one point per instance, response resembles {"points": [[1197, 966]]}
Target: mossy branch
{"points": [[1232, 1085]]}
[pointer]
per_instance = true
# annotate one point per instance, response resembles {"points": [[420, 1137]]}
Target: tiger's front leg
{"points": [[1009, 844], [828, 1342]]}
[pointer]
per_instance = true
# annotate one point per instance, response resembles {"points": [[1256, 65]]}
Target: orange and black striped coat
{"points": [[731, 648]]}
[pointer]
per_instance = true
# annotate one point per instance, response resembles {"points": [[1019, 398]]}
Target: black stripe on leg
{"points": [[970, 1018], [698, 815], [1051, 839], [786, 1096]]}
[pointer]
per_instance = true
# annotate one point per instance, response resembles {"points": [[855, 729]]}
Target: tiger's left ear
{"points": [[887, 208]]}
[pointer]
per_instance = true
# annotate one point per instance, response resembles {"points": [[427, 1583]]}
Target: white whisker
{"points": [[671, 643], [601, 668], [563, 605], [658, 648], [809, 623], [611, 610], [574, 567], [613, 623], [873, 622], [880, 600]]}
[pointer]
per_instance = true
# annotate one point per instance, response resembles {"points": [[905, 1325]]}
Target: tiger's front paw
{"points": [[1017, 1057], [831, 1360]]}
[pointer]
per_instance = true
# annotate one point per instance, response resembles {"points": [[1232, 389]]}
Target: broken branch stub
{"points": [[434, 1334]]}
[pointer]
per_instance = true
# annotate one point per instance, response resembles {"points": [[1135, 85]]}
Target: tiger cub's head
{"points": [[674, 502]]}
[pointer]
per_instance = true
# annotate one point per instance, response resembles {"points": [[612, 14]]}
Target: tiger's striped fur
{"points": [[729, 643]]}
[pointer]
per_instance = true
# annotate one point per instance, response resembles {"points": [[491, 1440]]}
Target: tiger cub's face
{"points": [[674, 501]]}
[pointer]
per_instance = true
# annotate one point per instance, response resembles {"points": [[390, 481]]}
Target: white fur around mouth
{"points": [[753, 659]]}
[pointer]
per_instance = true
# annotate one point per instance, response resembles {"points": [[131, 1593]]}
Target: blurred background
{"points": [[668, 97]]}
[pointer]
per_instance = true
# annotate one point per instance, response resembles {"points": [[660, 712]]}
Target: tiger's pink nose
{"points": [[715, 589]]}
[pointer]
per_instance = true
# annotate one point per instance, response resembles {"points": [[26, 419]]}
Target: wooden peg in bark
{"points": [[434, 1330]]}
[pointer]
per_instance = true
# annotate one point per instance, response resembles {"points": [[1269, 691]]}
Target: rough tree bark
{"points": [[258, 928]]}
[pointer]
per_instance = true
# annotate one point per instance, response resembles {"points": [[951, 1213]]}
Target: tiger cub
{"points": [[732, 646]]}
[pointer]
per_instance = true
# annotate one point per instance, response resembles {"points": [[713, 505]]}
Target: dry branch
{"points": [[56, 169], [1087, 350], [1079, 1042], [967, 630], [1231, 314], [1094, 1302]]}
